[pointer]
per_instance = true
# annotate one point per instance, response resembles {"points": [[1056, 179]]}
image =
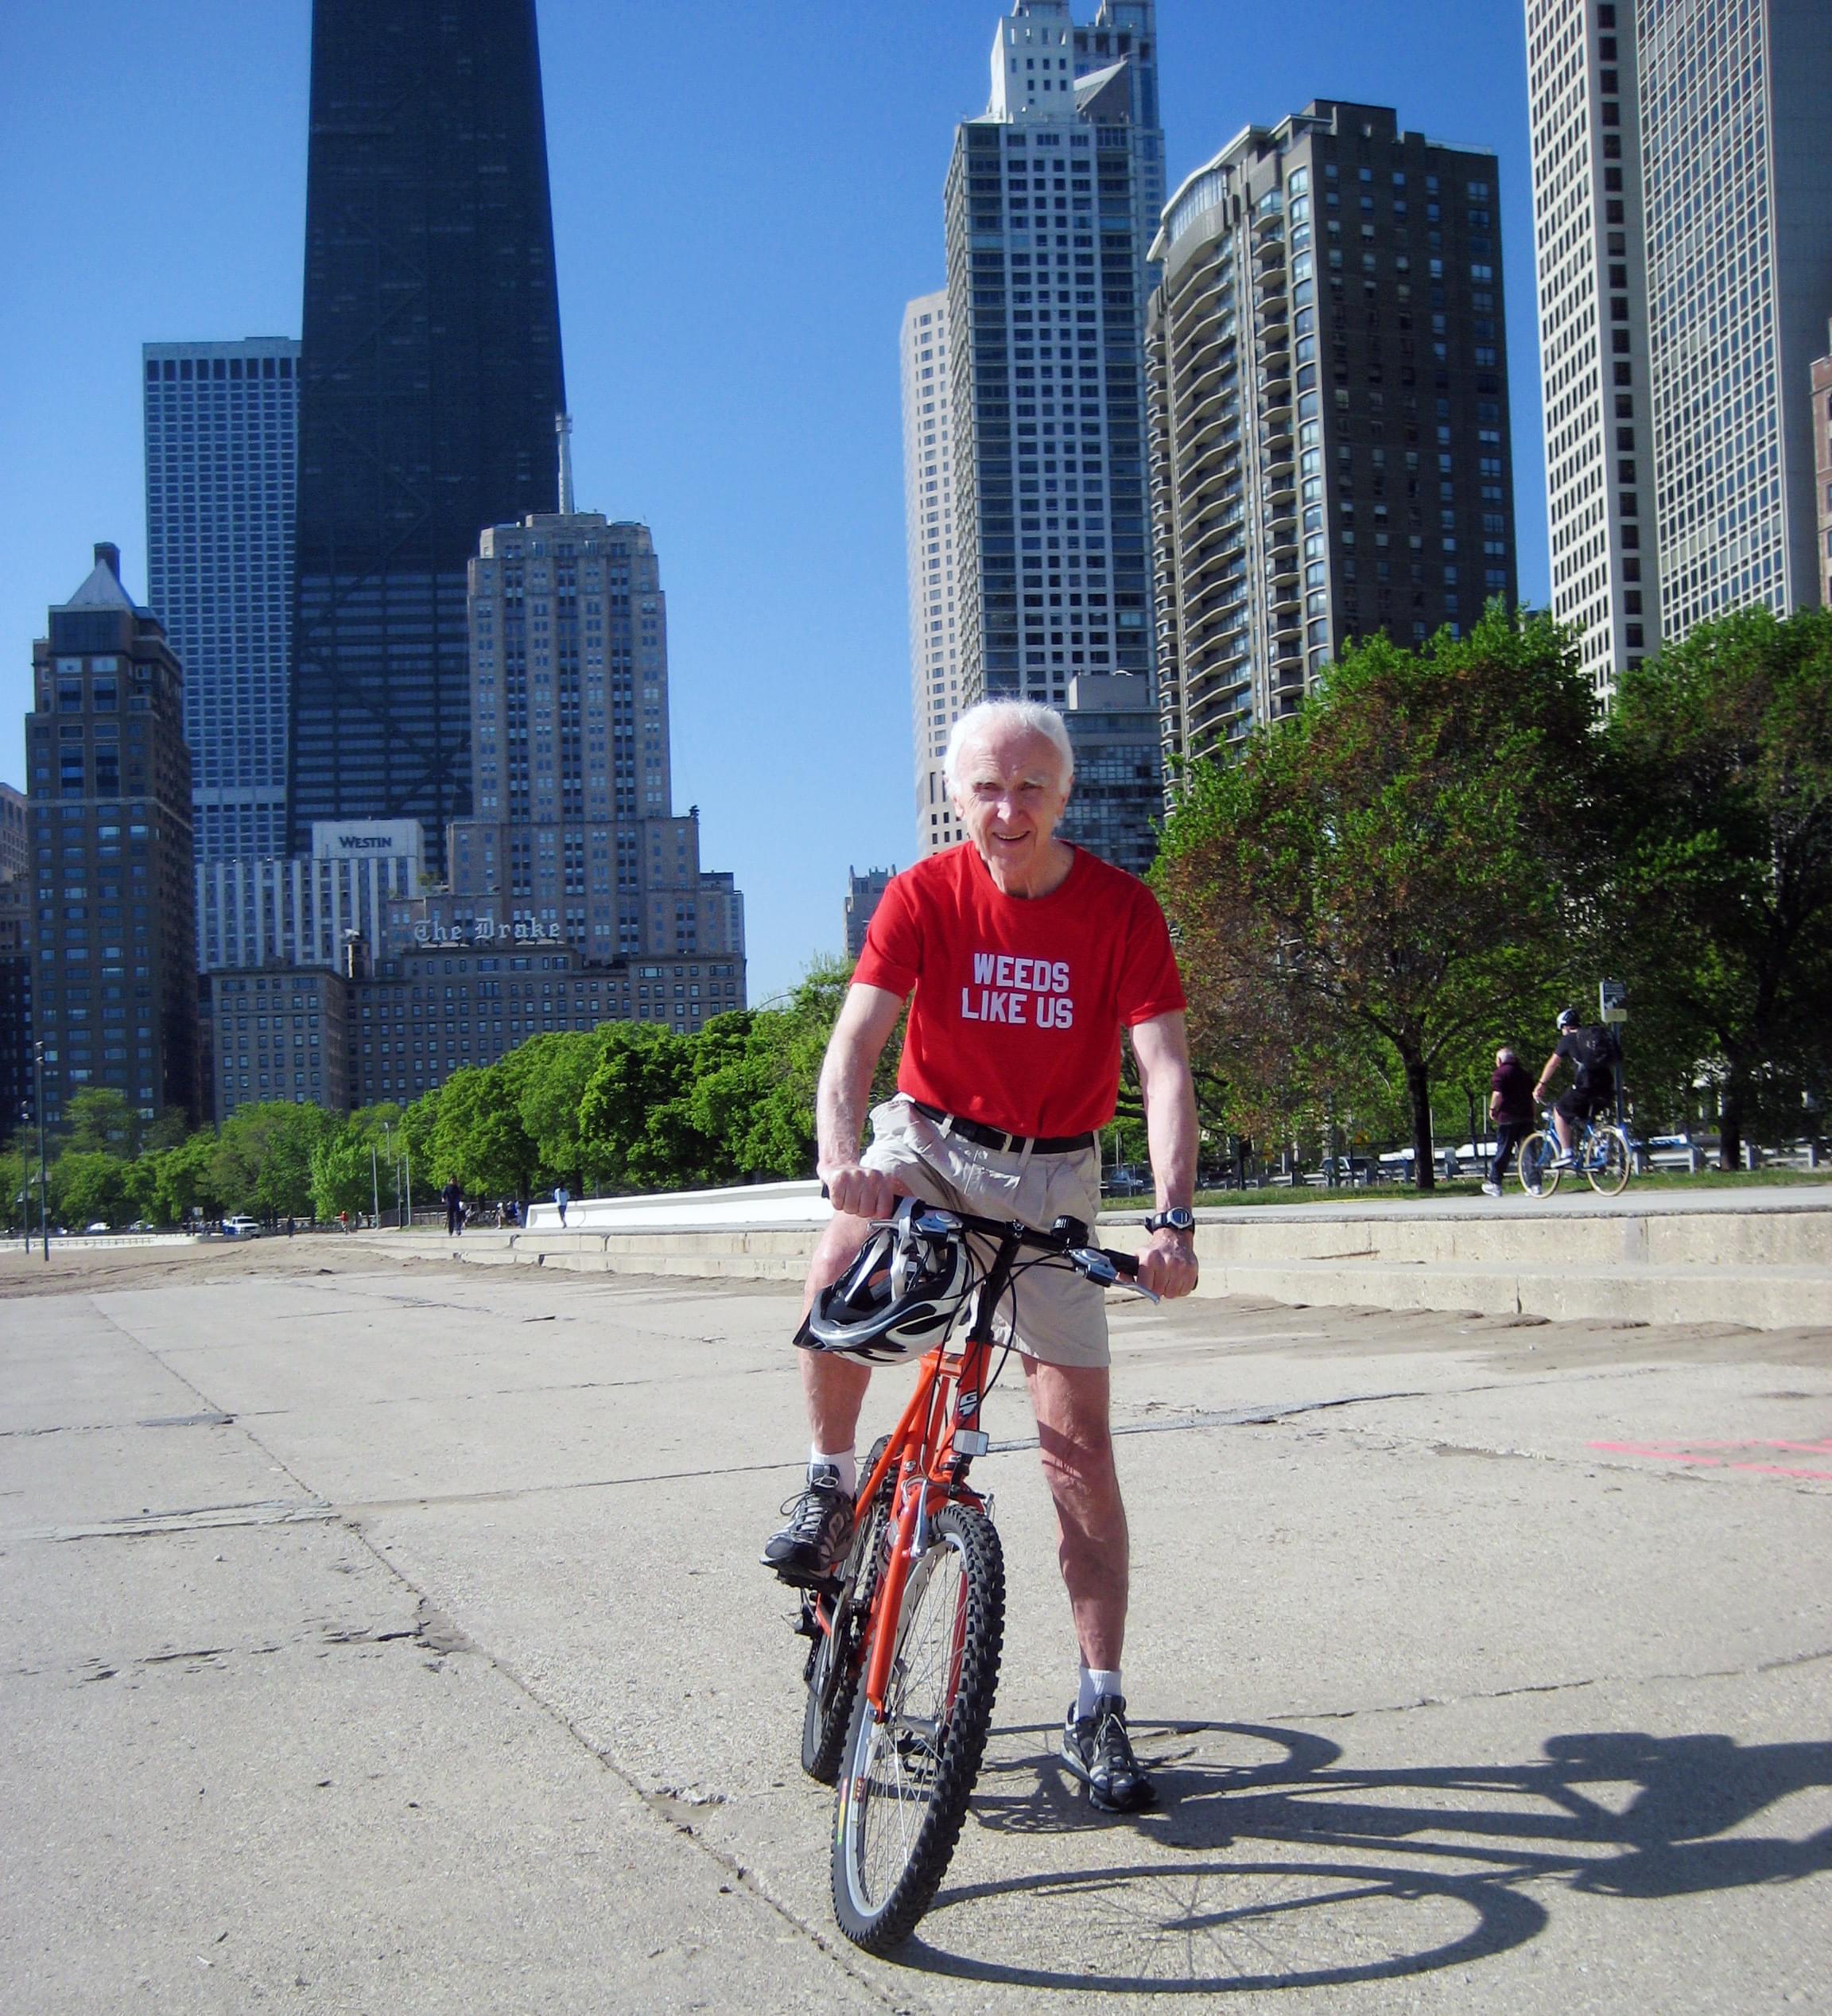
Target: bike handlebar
{"points": [[1068, 1238]]}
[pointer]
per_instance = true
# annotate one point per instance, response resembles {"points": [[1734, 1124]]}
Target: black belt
{"points": [[995, 1137]]}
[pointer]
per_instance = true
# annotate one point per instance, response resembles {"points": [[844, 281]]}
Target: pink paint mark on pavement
{"points": [[1698, 1454]]}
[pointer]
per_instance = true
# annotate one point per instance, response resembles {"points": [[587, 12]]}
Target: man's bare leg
{"points": [[832, 1387], [1071, 1405]]}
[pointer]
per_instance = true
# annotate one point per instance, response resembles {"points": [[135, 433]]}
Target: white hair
{"points": [[990, 716]]}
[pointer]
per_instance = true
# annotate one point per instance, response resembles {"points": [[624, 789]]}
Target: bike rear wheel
{"points": [[1609, 1162], [832, 1671], [907, 1778], [1537, 1167]]}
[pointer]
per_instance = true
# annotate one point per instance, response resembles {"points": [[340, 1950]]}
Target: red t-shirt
{"points": [[1019, 1001]]}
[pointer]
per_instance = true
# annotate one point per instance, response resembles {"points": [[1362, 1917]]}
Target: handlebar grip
{"points": [[1128, 1263]]}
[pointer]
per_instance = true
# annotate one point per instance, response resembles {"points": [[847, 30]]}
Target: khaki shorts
{"points": [[1061, 1316]]}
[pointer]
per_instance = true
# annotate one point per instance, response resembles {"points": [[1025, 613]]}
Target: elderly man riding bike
{"points": [[1023, 958]]}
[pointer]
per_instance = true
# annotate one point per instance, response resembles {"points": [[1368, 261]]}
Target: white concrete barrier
{"points": [[744, 1207]]}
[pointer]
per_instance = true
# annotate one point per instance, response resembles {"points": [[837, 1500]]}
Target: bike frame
{"points": [[935, 1442]]}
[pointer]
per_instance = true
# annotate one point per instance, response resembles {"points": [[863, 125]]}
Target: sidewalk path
{"points": [[389, 1638]]}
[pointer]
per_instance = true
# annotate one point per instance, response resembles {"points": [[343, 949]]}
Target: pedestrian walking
{"points": [[1511, 1108], [562, 1197], [453, 1198]]}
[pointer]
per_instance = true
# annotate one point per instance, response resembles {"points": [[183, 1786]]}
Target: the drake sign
{"points": [[486, 931]]}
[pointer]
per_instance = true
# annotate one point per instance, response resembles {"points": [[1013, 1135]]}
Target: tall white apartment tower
{"points": [[928, 516], [222, 436], [1052, 197], [1587, 227], [1737, 163], [1683, 205]]}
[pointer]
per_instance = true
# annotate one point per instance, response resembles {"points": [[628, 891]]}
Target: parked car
{"points": [[1126, 1181], [241, 1228], [1678, 1152], [101, 1224]]}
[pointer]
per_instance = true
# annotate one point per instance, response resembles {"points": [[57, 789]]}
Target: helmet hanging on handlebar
{"points": [[899, 1299]]}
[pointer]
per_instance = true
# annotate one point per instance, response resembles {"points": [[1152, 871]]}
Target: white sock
{"points": [[1095, 1681], [846, 1462]]}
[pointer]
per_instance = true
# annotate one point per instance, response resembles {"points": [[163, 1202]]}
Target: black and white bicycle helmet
{"points": [[900, 1297]]}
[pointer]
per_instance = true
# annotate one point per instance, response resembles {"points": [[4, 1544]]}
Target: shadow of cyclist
{"points": [[1269, 1860]]}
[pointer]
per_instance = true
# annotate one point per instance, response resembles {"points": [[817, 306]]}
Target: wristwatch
{"points": [[1178, 1218]]}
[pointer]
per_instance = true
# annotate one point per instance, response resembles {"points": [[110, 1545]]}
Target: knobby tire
{"points": [[833, 1661], [906, 1780]]}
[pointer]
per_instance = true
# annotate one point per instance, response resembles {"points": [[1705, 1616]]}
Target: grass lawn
{"points": [[1471, 1186]]}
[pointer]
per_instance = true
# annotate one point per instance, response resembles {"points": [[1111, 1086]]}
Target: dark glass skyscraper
{"points": [[431, 377]]}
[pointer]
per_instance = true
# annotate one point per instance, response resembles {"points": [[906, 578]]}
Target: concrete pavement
{"points": [[389, 1638]]}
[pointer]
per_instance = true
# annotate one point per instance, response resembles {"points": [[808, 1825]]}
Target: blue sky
{"points": [[744, 197]]}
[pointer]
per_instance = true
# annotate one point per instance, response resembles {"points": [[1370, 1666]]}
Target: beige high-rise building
{"points": [[574, 839], [929, 520]]}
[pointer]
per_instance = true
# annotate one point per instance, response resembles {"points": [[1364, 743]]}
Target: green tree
{"points": [[100, 1121], [1375, 885], [19, 1171], [550, 1076], [1720, 896], [169, 1183], [88, 1186], [637, 1114], [261, 1161], [477, 1134], [757, 1073], [353, 1163]]}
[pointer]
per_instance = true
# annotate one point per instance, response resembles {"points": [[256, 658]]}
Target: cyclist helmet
{"points": [[1567, 1018], [899, 1298]]}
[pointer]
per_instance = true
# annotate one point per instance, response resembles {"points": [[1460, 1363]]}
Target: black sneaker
{"points": [[811, 1545], [1098, 1751]]}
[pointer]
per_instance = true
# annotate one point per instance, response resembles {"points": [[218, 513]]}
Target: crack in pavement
{"points": [[1781, 1665]]}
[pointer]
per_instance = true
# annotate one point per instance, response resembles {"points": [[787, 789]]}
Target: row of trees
{"points": [[628, 1106], [1438, 851], [1443, 847]]}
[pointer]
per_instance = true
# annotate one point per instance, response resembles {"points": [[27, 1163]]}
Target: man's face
{"points": [[1010, 793]]}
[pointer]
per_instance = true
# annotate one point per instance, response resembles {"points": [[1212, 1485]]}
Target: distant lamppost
{"points": [[44, 1195]]}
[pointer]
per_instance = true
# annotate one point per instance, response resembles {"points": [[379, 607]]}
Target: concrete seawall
{"points": [[1762, 1259]]}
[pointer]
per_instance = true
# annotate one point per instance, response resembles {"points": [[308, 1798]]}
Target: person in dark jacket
{"points": [[453, 1198], [1511, 1108], [1587, 1048]]}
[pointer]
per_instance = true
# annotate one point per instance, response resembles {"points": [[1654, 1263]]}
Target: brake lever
{"points": [[1091, 1261]]}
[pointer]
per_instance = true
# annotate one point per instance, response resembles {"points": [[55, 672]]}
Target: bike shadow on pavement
{"points": [[1272, 1861]]}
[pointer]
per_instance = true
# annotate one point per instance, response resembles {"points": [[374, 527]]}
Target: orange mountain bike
{"points": [[907, 1636]]}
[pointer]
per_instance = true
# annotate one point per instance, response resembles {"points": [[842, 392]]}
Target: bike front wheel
{"points": [[1610, 1162], [832, 1671], [1537, 1166], [907, 1776]]}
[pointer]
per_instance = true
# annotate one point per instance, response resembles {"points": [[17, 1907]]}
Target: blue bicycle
{"points": [[1602, 1154]]}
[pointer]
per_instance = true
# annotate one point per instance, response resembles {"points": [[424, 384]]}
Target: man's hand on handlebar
{"points": [[1167, 1264], [862, 1192]]}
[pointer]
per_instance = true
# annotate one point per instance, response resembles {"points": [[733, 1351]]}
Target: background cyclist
{"points": [[1586, 1047], [1023, 958]]}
